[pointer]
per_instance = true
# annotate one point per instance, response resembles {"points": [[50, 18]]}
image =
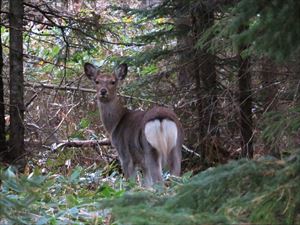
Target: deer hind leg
{"points": [[152, 170], [174, 161], [129, 168], [147, 181]]}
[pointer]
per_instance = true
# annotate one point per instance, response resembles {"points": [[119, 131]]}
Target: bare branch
{"points": [[62, 88], [79, 143]]}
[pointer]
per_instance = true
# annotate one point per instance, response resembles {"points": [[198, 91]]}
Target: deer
{"points": [[147, 140]]}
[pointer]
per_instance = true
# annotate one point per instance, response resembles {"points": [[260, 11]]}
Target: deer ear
{"points": [[121, 72], [90, 70]]}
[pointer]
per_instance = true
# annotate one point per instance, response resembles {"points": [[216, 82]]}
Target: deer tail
{"points": [[162, 135]]}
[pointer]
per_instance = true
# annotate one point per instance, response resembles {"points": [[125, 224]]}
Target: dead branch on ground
{"points": [[79, 143]]}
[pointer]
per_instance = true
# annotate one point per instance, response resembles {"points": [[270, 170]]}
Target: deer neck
{"points": [[111, 114]]}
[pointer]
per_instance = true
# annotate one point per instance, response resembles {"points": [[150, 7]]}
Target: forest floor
{"points": [[263, 191]]}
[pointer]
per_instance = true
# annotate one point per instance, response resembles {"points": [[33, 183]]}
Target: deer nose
{"points": [[103, 92]]}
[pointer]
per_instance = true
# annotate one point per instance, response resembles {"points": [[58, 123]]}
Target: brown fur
{"points": [[127, 129]]}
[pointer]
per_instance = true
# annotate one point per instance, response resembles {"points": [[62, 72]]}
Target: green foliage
{"points": [[258, 192], [266, 27], [80, 129], [55, 199], [149, 33], [278, 126]]}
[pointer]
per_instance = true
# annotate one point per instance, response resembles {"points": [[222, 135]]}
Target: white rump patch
{"points": [[162, 135]]}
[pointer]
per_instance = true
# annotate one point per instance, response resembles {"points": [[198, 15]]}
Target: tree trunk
{"points": [[196, 68], [3, 146], [245, 104], [204, 19], [16, 142], [186, 72], [205, 78]]}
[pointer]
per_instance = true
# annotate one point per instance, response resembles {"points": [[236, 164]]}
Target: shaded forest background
{"points": [[228, 68]]}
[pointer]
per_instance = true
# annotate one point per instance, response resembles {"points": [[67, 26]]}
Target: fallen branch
{"points": [[95, 143], [79, 143], [62, 88]]}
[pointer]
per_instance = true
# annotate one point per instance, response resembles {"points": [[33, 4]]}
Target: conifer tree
{"points": [[16, 142], [2, 105]]}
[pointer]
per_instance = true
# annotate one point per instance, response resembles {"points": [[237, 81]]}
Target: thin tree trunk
{"points": [[269, 96], [269, 87], [245, 104], [3, 146], [16, 142]]}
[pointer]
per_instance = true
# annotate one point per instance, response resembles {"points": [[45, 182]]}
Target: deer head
{"points": [[106, 84]]}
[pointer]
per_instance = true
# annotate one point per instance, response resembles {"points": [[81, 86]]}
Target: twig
{"points": [[73, 88], [61, 122], [191, 151]]}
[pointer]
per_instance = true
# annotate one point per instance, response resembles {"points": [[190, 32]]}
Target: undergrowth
{"points": [[57, 199], [265, 191], [242, 192]]}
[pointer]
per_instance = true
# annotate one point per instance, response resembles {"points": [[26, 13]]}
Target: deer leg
{"points": [[147, 181], [153, 167], [129, 168], [174, 161]]}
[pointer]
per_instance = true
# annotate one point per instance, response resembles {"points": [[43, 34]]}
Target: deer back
{"points": [[130, 138], [127, 137]]}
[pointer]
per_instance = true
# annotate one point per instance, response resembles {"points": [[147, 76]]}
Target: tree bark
{"points": [[3, 146], [245, 104], [206, 82], [203, 18], [186, 72], [16, 137], [197, 69]]}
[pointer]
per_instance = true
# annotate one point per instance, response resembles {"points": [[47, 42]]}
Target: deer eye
{"points": [[112, 82], [97, 82]]}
